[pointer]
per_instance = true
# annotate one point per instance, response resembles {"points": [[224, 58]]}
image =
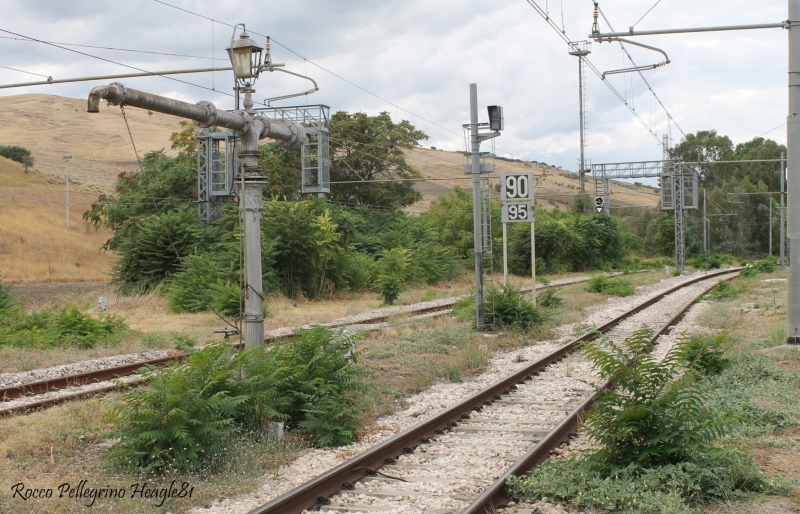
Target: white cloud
{"points": [[421, 55]]}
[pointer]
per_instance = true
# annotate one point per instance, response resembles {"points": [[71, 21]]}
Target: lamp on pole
{"points": [[249, 126], [67, 158]]}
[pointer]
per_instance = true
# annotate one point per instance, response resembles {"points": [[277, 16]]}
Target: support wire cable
{"points": [[166, 230], [155, 74], [645, 14], [27, 40], [26, 72], [639, 69], [596, 71], [328, 71]]}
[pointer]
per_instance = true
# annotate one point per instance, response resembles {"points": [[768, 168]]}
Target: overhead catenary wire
{"points": [[116, 49], [166, 230], [309, 61], [112, 61], [669, 116], [26, 72], [597, 72]]}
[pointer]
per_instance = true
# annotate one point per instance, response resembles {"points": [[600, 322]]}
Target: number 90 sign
{"points": [[517, 212], [516, 187]]}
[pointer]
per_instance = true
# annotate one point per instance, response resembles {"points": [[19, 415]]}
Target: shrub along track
{"points": [[58, 389], [451, 462]]}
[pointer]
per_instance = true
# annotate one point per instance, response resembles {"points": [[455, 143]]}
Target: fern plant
{"points": [[177, 419], [190, 408], [307, 382], [655, 415]]}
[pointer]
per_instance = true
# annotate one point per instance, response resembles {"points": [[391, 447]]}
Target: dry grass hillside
{"points": [[554, 187], [53, 126], [35, 245]]}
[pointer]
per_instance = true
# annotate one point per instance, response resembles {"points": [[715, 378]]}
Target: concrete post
{"points": [[251, 205], [705, 226], [476, 204], [783, 211], [67, 159], [580, 103], [793, 178]]}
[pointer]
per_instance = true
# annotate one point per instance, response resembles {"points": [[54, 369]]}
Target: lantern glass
{"points": [[240, 59], [245, 56]]}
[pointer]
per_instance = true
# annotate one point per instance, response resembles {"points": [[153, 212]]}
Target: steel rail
{"points": [[317, 490], [496, 495], [91, 377]]}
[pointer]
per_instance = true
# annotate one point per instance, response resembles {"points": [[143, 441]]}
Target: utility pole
{"points": [[769, 244], [67, 158], [476, 204], [793, 176], [580, 50], [250, 127], [783, 212], [705, 226], [496, 125], [792, 143]]}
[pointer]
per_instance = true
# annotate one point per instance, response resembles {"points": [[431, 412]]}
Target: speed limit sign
{"points": [[517, 212], [516, 187]]}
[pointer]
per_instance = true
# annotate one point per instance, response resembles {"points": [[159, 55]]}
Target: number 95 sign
{"points": [[517, 212]]}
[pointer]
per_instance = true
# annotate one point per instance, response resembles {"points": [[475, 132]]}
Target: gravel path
{"points": [[562, 381]]}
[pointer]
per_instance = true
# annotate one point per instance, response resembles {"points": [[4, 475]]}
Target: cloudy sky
{"points": [[416, 58]]}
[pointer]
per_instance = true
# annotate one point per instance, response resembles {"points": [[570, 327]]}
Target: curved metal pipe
{"points": [[304, 93], [205, 114], [637, 68]]}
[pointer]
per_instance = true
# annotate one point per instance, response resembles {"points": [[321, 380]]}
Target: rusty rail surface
{"points": [[91, 377], [317, 490], [496, 496]]}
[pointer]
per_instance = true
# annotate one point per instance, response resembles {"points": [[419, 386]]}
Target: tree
{"points": [[366, 148], [17, 153]]}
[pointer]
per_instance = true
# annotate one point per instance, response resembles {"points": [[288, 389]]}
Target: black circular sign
{"points": [[598, 200]]}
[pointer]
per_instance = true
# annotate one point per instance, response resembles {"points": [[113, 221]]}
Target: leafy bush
{"points": [[748, 272], [668, 489], [389, 286], [307, 382], [654, 416], [188, 408], [611, 286], [767, 265], [67, 328], [725, 290], [17, 153], [706, 263], [549, 298], [566, 242], [512, 309], [704, 354], [9, 307]]}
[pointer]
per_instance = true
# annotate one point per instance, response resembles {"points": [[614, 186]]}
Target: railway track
{"points": [[458, 460], [52, 391]]}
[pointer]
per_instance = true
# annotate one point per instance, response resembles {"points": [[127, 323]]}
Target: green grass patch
{"points": [[725, 290], [610, 286]]}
